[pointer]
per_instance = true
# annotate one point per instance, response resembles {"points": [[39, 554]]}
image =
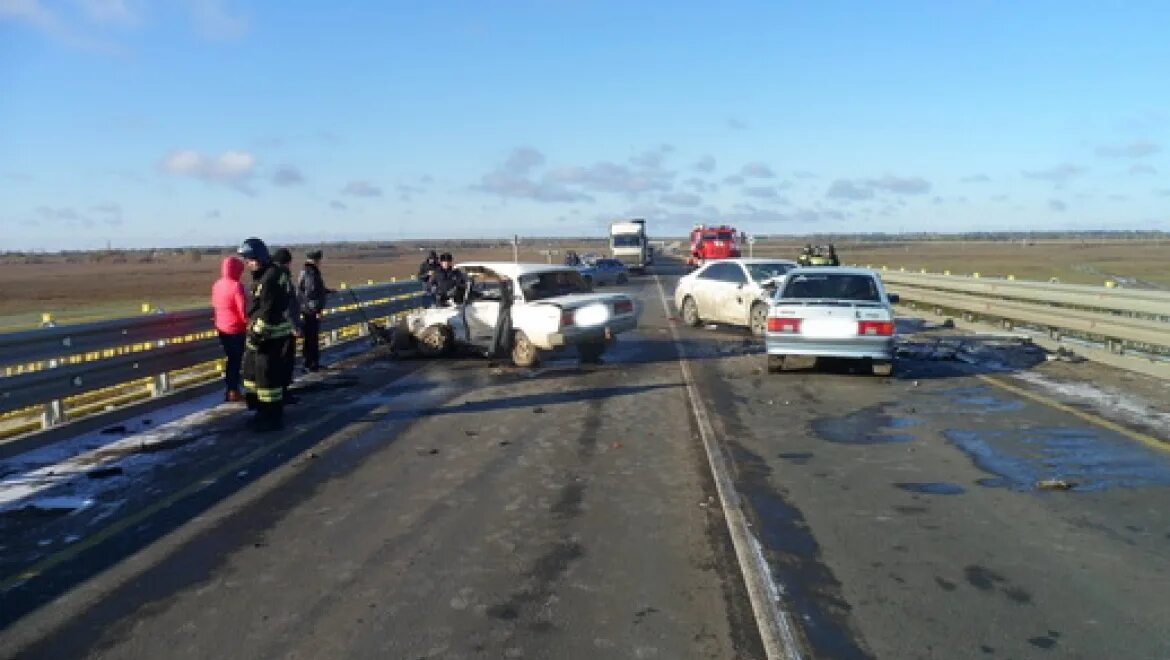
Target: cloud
{"points": [[976, 178], [361, 189], [804, 174], [231, 168], [519, 177], [523, 160], [1057, 205], [288, 175], [681, 199], [736, 125], [1058, 174], [110, 213], [733, 180], [1142, 168], [757, 171], [761, 192], [337, 206], [1000, 198], [406, 192], [213, 214], [901, 185], [213, 20], [613, 178], [1135, 149], [849, 190], [652, 159], [705, 164], [119, 12], [698, 185], [36, 15]]}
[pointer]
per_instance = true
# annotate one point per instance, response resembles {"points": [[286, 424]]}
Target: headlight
{"points": [[595, 314]]}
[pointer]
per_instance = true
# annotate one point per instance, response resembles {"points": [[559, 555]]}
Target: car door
{"points": [[704, 289], [482, 310], [736, 293], [716, 279]]}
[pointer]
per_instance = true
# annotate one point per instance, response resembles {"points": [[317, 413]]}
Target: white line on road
{"points": [[775, 624]]}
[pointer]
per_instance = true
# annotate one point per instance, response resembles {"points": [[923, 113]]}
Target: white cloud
{"points": [[901, 185], [681, 199], [733, 180], [288, 175], [1058, 174], [976, 178], [337, 206], [761, 192], [705, 164], [849, 190], [361, 189], [1057, 205], [1136, 149], [736, 125], [757, 171], [1142, 168], [121, 12], [231, 168], [214, 20]]}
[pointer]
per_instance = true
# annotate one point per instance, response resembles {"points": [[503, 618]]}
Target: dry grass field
{"points": [[79, 289]]}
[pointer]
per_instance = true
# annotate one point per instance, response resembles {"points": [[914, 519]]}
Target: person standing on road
{"points": [[312, 292], [268, 334], [426, 272], [448, 281], [283, 259], [230, 302]]}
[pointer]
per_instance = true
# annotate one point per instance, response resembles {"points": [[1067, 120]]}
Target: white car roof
{"points": [[756, 260], [514, 270], [840, 270]]}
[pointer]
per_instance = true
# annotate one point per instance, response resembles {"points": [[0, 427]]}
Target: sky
{"points": [[158, 123]]}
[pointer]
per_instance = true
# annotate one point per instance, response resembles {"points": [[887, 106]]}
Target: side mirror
{"points": [[894, 298]]}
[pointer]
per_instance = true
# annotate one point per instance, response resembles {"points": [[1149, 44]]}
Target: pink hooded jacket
{"points": [[229, 300]]}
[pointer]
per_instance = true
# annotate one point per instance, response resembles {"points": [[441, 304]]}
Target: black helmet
{"points": [[282, 256], [254, 248], [314, 255]]}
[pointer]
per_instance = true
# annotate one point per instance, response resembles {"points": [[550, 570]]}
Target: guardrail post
{"points": [[53, 414], [1055, 334], [160, 384], [1007, 324]]}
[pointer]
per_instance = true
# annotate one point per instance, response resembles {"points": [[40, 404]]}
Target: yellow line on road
{"points": [[1148, 440]]}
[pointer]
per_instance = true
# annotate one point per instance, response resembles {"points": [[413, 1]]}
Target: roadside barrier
{"points": [[53, 374]]}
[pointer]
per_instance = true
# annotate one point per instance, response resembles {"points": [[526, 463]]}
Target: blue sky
{"points": [[175, 122]]}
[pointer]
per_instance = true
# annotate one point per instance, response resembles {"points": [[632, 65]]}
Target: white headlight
{"points": [[595, 314]]}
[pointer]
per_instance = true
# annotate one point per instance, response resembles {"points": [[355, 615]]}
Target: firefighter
{"points": [[283, 258], [448, 281], [268, 334], [312, 292]]}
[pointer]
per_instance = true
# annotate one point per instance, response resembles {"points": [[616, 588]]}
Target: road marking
{"points": [[202, 483], [1148, 440], [777, 630]]}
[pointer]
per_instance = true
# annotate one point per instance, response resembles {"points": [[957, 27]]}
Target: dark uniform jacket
{"points": [[268, 311], [311, 290], [448, 284]]}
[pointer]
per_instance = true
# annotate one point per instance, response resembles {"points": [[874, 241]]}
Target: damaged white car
{"points": [[552, 308]]}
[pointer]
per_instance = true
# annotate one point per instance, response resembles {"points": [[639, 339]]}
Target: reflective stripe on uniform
{"points": [[282, 329], [250, 385], [269, 394]]}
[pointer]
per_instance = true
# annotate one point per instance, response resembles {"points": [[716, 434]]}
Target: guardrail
{"points": [[1122, 320], [61, 371]]}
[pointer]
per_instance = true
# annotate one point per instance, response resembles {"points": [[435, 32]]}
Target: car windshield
{"points": [[824, 286], [539, 286], [761, 272], [726, 236], [626, 240]]}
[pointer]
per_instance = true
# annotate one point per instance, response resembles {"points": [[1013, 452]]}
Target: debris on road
{"points": [[1055, 484], [538, 410], [105, 472], [470, 433]]}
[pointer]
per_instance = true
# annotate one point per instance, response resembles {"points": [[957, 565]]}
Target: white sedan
{"points": [[553, 307], [731, 291]]}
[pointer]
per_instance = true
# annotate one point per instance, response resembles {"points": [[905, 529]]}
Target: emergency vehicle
{"points": [[712, 243]]}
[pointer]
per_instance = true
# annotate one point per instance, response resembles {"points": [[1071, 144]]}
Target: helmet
{"points": [[282, 256], [254, 248], [446, 256], [314, 255]]}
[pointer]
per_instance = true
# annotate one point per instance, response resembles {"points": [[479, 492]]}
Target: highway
{"points": [[461, 509]]}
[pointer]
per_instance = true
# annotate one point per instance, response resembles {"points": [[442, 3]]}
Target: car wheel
{"points": [[882, 368], [435, 341], [524, 353], [775, 364], [759, 319], [591, 353], [690, 312], [622, 279]]}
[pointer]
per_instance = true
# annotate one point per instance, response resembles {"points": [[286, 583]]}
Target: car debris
{"points": [[1055, 484]]}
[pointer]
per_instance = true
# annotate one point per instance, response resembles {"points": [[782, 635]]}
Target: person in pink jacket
{"points": [[229, 300]]}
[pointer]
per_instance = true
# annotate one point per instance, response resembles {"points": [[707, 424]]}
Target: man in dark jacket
{"points": [[283, 259], [425, 270], [448, 281], [268, 334], [312, 292]]}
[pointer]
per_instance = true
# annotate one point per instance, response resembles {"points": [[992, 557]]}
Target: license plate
{"points": [[829, 328]]}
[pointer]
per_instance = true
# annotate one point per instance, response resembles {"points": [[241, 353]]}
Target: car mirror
{"points": [[894, 298]]}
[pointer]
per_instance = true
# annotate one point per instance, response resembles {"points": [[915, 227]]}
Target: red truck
{"points": [[712, 243]]}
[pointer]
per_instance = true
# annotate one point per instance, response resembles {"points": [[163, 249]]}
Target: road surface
{"points": [[458, 509]]}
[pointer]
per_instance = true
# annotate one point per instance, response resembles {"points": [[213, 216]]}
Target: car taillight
{"points": [[877, 328], [776, 324], [567, 317], [623, 307]]}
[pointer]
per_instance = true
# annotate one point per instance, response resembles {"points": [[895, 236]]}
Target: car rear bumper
{"points": [[874, 348], [592, 334]]}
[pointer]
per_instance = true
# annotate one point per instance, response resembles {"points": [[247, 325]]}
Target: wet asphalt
{"points": [[461, 509]]}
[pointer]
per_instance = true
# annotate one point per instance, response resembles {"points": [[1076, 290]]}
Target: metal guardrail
{"points": [[1120, 319], [47, 366]]}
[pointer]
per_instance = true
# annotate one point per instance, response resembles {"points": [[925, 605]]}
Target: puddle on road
{"points": [[980, 399], [933, 488], [868, 426], [1087, 458]]}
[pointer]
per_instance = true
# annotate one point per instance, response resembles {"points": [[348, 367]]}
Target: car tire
{"points": [[882, 368], [690, 312], [591, 353], [775, 364], [524, 352], [622, 279], [758, 319], [435, 341]]}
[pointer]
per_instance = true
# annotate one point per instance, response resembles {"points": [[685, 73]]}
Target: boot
{"points": [[233, 396]]}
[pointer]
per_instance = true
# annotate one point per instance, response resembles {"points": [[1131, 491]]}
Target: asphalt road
{"points": [[458, 510]]}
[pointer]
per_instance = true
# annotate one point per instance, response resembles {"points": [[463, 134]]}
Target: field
{"points": [[74, 289]]}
